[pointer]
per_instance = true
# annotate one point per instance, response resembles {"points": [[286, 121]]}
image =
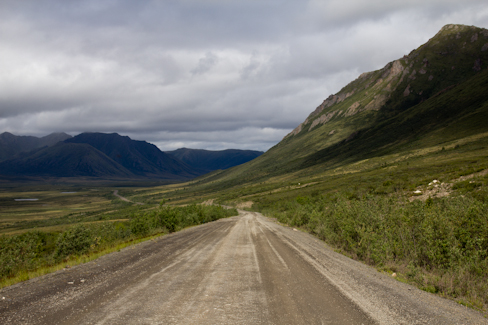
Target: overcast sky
{"points": [[209, 74]]}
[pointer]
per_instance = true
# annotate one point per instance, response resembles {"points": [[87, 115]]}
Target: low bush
{"points": [[77, 240]]}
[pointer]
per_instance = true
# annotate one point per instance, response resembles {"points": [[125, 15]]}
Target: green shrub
{"points": [[21, 252], [77, 240], [447, 237], [140, 225]]}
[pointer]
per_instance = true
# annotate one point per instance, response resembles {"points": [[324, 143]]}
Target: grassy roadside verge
{"points": [[35, 253], [440, 245], [25, 275]]}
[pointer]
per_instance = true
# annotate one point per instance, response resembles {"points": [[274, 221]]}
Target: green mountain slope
{"points": [[435, 94]]}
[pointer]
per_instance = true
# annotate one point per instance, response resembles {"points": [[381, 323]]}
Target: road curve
{"points": [[239, 270], [116, 193]]}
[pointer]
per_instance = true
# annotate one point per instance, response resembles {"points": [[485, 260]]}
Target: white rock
{"points": [[417, 192], [71, 282], [82, 280]]}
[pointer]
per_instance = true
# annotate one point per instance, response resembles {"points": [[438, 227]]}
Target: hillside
{"points": [[209, 160], [10, 144], [435, 94]]}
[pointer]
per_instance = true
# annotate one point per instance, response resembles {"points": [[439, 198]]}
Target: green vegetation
{"points": [[39, 249], [440, 245]]}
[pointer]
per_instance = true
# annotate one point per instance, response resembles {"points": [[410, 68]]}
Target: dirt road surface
{"points": [[116, 193], [240, 270]]}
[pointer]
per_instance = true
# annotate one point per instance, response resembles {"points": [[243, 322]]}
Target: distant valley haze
{"points": [[209, 75]]}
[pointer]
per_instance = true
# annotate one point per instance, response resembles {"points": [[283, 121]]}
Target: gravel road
{"points": [[240, 270]]}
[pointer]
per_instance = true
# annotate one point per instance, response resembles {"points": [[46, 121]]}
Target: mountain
{"points": [[209, 160], [98, 155], [65, 160], [139, 157], [10, 144], [435, 94]]}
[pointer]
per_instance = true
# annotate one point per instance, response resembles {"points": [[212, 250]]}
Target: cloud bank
{"points": [[209, 74]]}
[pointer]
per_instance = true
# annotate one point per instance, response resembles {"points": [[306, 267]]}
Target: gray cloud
{"points": [[206, 63], [198, 73]]}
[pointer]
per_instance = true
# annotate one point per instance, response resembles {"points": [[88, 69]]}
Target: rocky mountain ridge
{"points": [[412, 79]]}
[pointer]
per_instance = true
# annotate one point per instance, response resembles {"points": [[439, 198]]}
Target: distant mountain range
{"points": [[10, 144], [208, 160], [107, 156]]}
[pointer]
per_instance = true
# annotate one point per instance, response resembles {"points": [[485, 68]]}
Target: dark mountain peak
{"points": [[140, 157], [53, 138], [11, 145], [57, 134], [7, 135], [99, 136], [110, 155]]}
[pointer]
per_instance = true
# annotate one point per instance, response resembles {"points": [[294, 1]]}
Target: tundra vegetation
{"points": [[33, 247], [440, 245]]}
